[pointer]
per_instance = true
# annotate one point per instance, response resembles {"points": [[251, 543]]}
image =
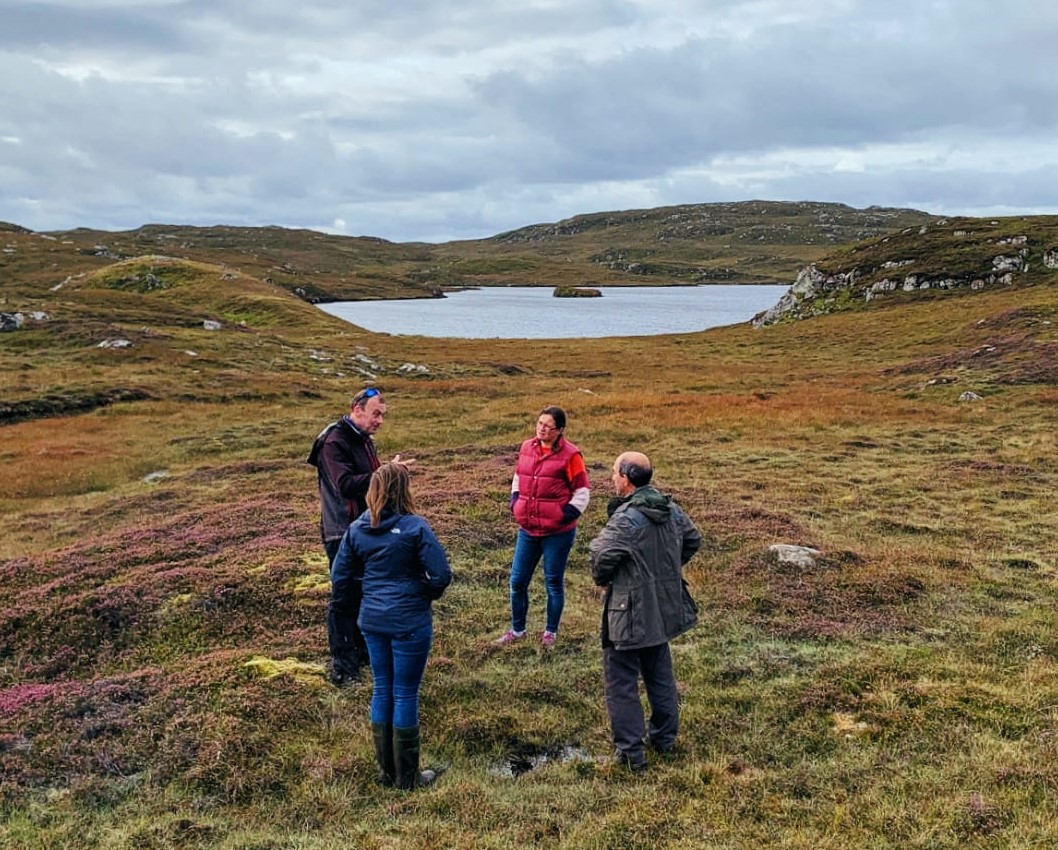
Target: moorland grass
{"points": [[162, 641]]}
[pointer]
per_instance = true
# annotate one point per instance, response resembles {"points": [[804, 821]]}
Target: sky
{"points": [[437, 120]]}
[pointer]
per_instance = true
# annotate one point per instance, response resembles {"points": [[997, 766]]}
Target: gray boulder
{"points": [[803, 557], [11, 321]]}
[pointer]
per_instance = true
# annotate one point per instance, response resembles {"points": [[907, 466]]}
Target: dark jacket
{"points": [[639, 555], [402, 566], [344, 458]]}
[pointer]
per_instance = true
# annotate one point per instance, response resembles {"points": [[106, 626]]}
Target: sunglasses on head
{"points": [[364, 395]]}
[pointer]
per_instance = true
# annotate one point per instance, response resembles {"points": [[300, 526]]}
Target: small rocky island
{"points": [[576, 292]]}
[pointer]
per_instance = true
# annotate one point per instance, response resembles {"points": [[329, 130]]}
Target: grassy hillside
{"points": [[745, 242], [751, 242], [162, 587]]}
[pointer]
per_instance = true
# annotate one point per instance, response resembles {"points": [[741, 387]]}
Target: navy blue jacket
{"points": [[402, 566]]}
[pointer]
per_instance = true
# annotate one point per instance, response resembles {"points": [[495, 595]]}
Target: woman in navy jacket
{"points": [[403, 568]]}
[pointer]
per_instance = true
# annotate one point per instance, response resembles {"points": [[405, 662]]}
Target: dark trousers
{"points": [[621, 672], [346, 641]]}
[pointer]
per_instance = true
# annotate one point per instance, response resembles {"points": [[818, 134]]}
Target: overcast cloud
{"points": [[451, 119]]}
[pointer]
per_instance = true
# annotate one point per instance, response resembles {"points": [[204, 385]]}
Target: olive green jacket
{"points": [[639, 557]]}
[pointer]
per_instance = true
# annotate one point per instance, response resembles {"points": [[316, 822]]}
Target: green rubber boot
{"points": [[406, 755], [387, 766]]}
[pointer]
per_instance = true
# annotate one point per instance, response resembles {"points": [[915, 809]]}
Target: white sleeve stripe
{"points": [[580, 498]]}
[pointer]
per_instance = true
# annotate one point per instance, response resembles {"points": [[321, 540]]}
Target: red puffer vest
{"points": [[543, 487]]}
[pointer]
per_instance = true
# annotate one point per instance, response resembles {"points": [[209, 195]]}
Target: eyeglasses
{"points": [[364, 395], [544, 427]]}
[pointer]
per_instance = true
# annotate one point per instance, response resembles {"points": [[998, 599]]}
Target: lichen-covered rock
{"points": [[11, 321], [800, 300]]}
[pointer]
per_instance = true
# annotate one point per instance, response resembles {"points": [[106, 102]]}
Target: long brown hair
{"points": [[390, 487]]}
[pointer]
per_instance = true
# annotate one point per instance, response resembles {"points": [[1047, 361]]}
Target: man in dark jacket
{"points": [[638, 557], [344, 456]]}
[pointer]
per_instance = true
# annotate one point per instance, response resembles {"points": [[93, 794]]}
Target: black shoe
{"points": [[662, 749], [344, 672], [635, 763]]}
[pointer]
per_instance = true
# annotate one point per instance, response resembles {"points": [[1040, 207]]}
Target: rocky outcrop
{"points": [[967, 263], [805, 297]]}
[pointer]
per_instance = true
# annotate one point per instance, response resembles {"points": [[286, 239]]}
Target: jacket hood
{"points": [[653, 505]]}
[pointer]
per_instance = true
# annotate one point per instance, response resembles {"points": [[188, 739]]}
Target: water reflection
{"points": [[531, 758]]}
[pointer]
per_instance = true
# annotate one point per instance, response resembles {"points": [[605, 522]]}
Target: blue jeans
{"points": [[397, 665], [528, 550]]}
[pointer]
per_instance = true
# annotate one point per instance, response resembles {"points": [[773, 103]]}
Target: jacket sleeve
{"points": [[338, 468], [436, 572], [692, 538], [580, 490], [610, 550], [347, 569]]}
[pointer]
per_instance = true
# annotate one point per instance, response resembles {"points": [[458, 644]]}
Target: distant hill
{"points": [[746, 242], [750, 242]]}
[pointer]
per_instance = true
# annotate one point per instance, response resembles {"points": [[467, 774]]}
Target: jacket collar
{"points": [[555, 447], [352, 426]]}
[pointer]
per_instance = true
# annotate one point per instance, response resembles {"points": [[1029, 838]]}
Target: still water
{"points": [[532, 312]]}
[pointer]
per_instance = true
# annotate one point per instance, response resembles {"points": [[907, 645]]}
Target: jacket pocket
{"points": [[690, 607], [520, 511], [620, 618]]}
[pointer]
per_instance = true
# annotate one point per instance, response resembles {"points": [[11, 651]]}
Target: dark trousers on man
{"points": [[622, 670], [346, 641]]}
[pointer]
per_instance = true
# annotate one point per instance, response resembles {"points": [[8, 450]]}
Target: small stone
{"points": [[795, 556]]}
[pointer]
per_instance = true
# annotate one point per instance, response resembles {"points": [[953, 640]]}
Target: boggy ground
{"points": [[162, 588]]}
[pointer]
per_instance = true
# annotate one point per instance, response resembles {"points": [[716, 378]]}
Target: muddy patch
{"points": [[525, 759]]}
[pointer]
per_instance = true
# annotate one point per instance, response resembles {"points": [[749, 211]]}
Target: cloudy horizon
{"points": [[458, 119]]}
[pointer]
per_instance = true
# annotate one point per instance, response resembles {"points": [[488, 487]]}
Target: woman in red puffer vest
{"points": [[549, 492]]}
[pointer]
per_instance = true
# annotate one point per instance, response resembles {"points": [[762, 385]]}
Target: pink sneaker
{"points": [[548, 639], [510, 637]]}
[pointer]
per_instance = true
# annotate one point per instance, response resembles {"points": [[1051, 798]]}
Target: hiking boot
{"points": [[344, 672], [509, 637], [547, 639], [662, 749], [635, 763]]}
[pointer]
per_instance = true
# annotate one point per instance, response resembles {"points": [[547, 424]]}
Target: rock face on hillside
{"points": [[970, 254], [802, 299]]}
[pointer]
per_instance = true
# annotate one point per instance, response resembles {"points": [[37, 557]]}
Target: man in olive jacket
{"points": [[638, 557]]}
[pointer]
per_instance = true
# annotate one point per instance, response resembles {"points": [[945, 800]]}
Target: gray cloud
{"points": [[462, 118]]}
